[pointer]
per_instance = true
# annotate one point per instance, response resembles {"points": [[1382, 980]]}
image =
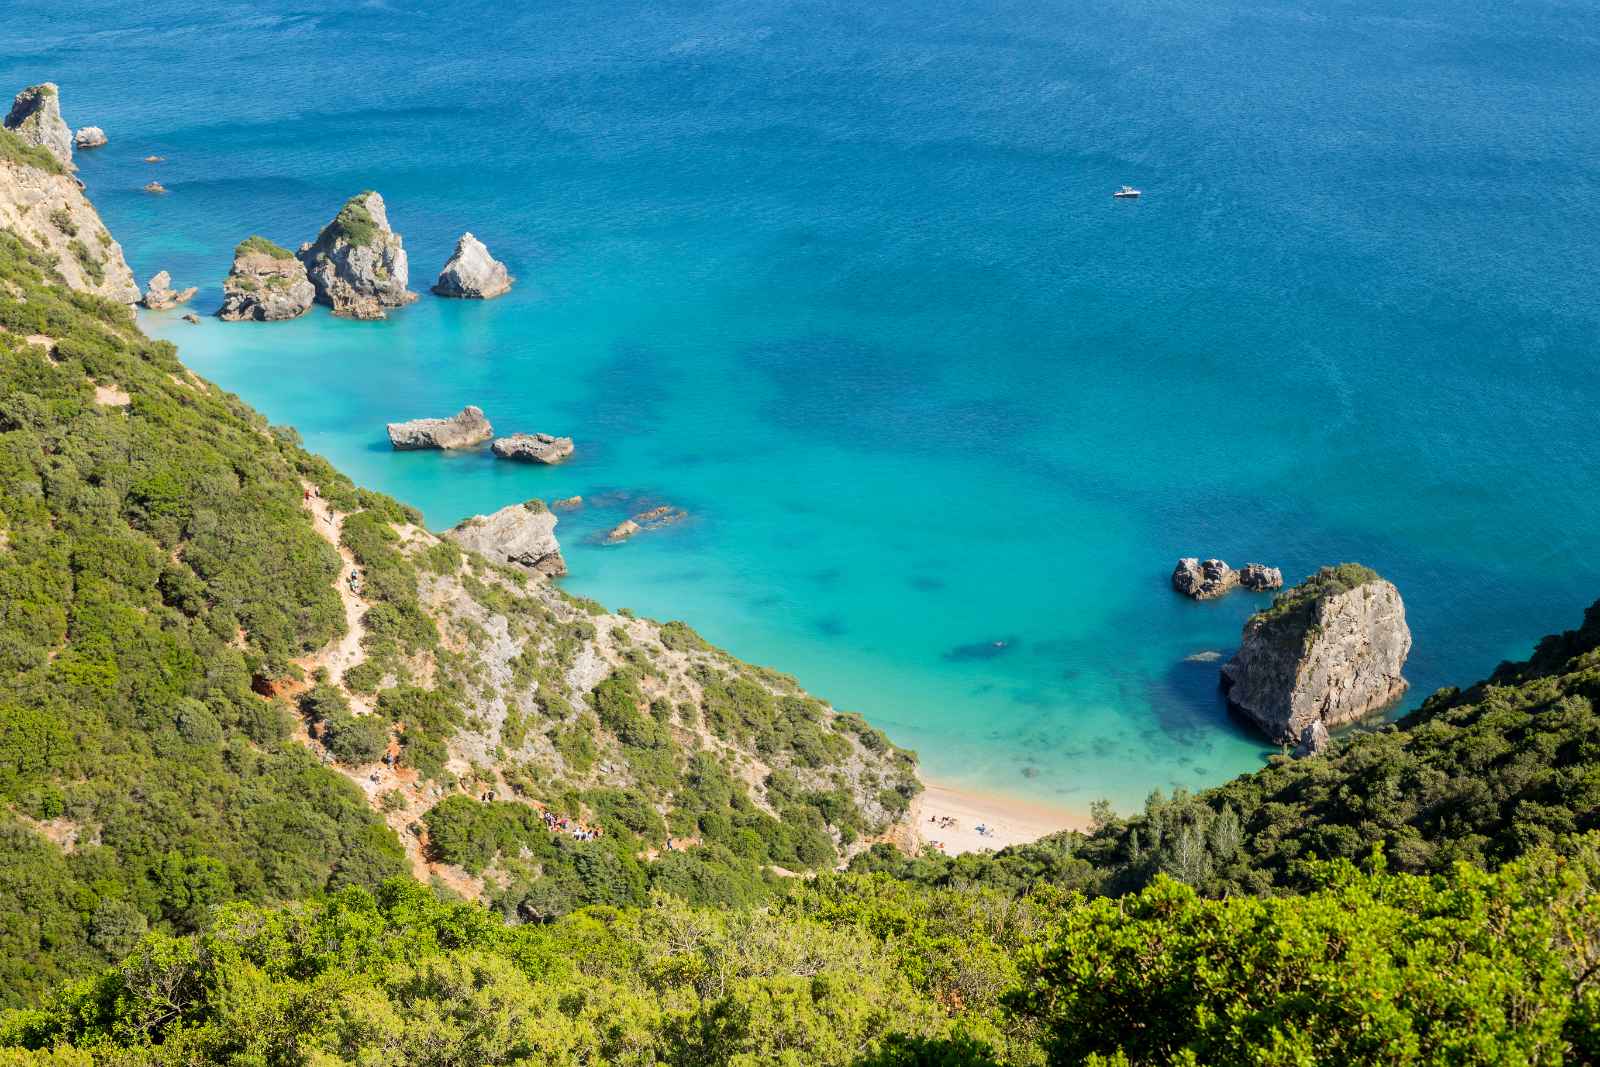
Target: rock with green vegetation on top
{"points": [[522, 534], [266, 284], [1330, 650], [35, 117], [357, 263]]}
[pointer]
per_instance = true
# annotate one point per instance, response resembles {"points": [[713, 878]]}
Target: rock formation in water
{"points": [[41, 201], [1258, 577], [90, 137], [653, 519], [1203, 580], [266, 284], [357, 263], [472, 272], [522, 534], [159, 295], [533, 447], [464, 429], [35, 117], [1330, 650]]}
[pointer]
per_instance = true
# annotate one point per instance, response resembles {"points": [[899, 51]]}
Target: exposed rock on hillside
{"points": [[464, 429], [42, 202], [1314, 741], [159, 294], [1203, 580], [472, 272], [90, 137], [521, 534], [1330, 650], [267, 284], [357, 263], [1259, 577], [533, 447], [35, 117]]}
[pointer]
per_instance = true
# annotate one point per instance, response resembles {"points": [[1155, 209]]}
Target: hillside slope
{"points": [[196, 707]]}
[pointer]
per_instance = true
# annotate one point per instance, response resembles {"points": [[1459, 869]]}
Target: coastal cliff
{"points": [[43, 203], [1328, 651]]}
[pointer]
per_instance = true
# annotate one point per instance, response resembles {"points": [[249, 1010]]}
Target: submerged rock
{"points": [[653, 519], [35, 117], [567, 503], [357, 263], [1260, 577], [191, 318], [1205, 580], [266, 284], [521, 534], [1314, 741], [1330, 650], [472, 272], [159, 295], [464, 429], [533, 448], [90, 137], [154, 187]]}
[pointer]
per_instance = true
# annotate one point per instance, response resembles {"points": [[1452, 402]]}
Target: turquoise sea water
{"points": [[846, 281]]}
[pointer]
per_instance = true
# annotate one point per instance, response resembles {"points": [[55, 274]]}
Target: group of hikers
{"points": [[560, 824]]}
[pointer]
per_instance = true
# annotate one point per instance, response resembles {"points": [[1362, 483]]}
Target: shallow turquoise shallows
{"points": [[847, 282]]}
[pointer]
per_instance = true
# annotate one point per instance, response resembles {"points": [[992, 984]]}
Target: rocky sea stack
{"points": [[357, 263], [159, 295], [1328, 651], [267, 284], [36, 118], [521, 534], [533, 448], [1203, 580], [472, 272], [464, 429]]}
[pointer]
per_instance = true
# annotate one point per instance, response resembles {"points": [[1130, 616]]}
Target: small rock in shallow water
{"points": [[90, 137], [155, 187], [472, 273], [155, 159], [159, 295], [192, 318], [533, 448], [567, 503], [1203, 657]]}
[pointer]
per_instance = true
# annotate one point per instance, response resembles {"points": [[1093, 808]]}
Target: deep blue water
{"points": [[846, 281]]}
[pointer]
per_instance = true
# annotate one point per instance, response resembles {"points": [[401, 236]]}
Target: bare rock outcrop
{"points": [[1314, 741], [1203, 580], [357, 263], [472, 272], [266, 284], [35, 117], [533, 448], [523, 535], [41, 201], [1328, 651], [464, 429], [1258, 577], [90, 137], [653, 519], [159, 295]]}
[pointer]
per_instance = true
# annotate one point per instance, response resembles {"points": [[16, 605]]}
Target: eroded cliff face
{"points": [[1330, 650], [43, 203]]}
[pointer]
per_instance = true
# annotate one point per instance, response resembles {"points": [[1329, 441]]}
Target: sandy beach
{"points": [[1010, 821]]}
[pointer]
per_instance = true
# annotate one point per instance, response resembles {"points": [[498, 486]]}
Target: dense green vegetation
{"points": [[353, 224], [260, 245], [1297, 602], [154, 561]]}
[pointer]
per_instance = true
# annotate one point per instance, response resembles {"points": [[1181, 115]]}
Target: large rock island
{"points": [[357, 263], [1328, 651], [266, 284], [521, 534]]}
